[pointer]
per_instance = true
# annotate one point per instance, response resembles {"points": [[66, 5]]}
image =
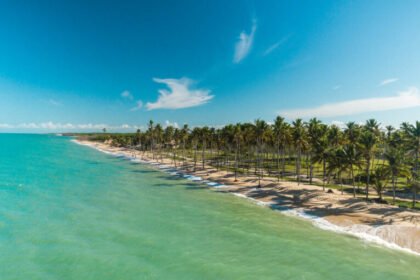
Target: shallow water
{"points": [[70, 212]]}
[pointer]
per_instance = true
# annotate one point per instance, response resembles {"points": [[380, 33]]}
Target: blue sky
{"points": [[82, 65]]}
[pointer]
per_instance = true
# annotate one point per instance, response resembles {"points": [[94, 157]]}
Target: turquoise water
{"points": [[71, 212]]}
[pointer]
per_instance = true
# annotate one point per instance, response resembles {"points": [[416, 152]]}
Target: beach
{"points": [[387, 225]]}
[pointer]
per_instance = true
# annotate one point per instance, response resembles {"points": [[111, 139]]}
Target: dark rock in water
{"points": [[330, 191]]}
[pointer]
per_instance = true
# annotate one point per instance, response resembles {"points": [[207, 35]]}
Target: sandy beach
{"points": [[387, 225]]}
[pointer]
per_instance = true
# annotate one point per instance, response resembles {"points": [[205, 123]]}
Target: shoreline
{"points": [[385, 225]]}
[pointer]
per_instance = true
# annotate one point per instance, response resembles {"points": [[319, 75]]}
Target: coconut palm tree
{"points": [[281, 131], [322, 152], [396, 166], [380, 176], [373, 126], [314, 133], [204, 135], [412, 144], [168, 138], [237, 138], [176, 140], [337, 164], [344, 159], [150, 132], [158, 136], [184, 137], [300, 142], [261, 128], [368, 143], [194, 138], [352, 133]]}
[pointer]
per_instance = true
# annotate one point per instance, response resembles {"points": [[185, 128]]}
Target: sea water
{"points": [[71, 212]]}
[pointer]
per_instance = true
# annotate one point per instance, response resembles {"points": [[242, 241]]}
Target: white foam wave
{"points": [[364, 232]]}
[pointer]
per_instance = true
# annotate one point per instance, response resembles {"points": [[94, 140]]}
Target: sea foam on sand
{"points": [[371, 234]]}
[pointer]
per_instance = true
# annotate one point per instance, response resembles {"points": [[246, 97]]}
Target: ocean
{"points": [[71, 212]]}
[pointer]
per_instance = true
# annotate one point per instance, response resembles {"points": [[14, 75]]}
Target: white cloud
{"points": [[273, 47], [139, 105], [173, 124], [180, 95], [336, 87], [340, 124], [388, 81], [244, 44], [54, 102], [126, 94], [5, 125], [62, 126], [405, 99]]}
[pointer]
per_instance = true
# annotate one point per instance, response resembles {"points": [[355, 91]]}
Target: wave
{"points": [[366, 233]]}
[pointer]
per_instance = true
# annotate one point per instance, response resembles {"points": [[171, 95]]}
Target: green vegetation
{"points": [[357, 158]]}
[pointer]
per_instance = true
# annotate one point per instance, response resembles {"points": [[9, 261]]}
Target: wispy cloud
{"points": [[54, 102], [127, 95], [244, 44], [64, 126], [336, 87], [180, 95], [388, 81], [274, 46], [139, 105], [405, 99]]}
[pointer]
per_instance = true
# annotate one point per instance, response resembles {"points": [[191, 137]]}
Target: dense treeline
{"points": [[357, 158]]}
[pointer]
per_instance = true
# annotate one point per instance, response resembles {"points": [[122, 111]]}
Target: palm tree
{"points": [[380, 176], [184, 137], [368, 144], [158, 136], [412, 141], [299, 141], [337, 164], [150, 132], [194, 138], [396, 166], [204, 135], [177, 140], [344, 159], [373, 126], [281, 131], [322, 152], [168, 138], [314, 133], [352, 133], [237, 137], [261, 128]]}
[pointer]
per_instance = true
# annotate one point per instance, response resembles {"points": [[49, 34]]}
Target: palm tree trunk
{"points": [[236, 162], [324, 170], [298, 165], [352, 180], [259, 164], [393, 188], [416, 166], [203, 159], [195, 157], [283, 162], [367, 178], [311, 171]]}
